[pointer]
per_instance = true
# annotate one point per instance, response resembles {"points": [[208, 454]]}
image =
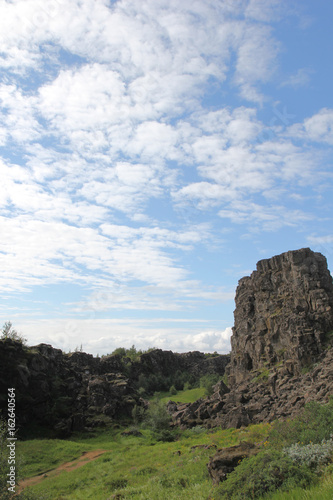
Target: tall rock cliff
{"points": [[282, 345], [284, 311]]}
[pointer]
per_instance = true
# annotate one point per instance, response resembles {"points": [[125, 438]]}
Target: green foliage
{"points": [[320, 491], [264, 473], [132, 353], [154, 469], [137, 414], [8, 332], [158, 383], [188, 396], [312, 455], [208, 381], [312, 426], [263, 376], [156, 417], [3, 457], [173, 390]]}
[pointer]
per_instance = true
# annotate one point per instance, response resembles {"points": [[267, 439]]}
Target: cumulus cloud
{"points": [[115, 165], [318, 128], [109, 334]]}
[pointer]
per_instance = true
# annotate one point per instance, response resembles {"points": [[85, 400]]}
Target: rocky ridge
{"points": [[282, 354], [69, 392]]}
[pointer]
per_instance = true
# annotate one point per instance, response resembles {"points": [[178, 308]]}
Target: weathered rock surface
{"points": [[69, 392], [283, 312], [282, 355], [226, 460]]}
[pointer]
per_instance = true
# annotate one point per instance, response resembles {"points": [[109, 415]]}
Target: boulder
{"points": [[226, 460]]}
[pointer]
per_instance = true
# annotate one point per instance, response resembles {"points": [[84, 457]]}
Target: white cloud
{"points": [[317, 128], [300, 79], [256, 61], [67, 334], [268, 218], [119, 116], [320, 126]]}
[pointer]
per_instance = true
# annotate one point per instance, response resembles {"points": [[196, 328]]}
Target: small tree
{"points": [[8, 332], [157, 418], [208, 381]]}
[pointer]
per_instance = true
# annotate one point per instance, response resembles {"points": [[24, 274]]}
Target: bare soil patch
{"points": [[87, 456]]}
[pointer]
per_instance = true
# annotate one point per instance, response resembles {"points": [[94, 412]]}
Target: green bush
{"points": [[157, 418], [264, 473], [208, 382], [313, 455], [314, 425], [173, 390], [138, 414], [8, 332]]}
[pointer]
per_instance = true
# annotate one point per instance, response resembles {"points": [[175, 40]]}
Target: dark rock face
{"points": [[63, 391], [282, 345], [70, 392], [165, 363], [283, 312]]}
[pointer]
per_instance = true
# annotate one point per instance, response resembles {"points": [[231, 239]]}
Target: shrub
{"points": [[173, 390], [208, 382], [264, 473], [137, 414], [312, 455], [8, 332], [157, 418], [312, 426]]}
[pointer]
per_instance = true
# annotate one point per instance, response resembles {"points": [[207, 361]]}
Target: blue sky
{"points": [[151, 152]]}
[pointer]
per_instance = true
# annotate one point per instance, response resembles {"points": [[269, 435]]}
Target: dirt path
{"points": [[87, 456]]}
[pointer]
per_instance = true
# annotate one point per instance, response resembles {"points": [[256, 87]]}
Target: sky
{"points": [[151, 152]]}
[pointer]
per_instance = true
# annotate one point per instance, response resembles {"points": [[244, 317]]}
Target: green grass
{"points": [[141, 468], [189, 396], [135, 467], [323, 491], [42, 455]]}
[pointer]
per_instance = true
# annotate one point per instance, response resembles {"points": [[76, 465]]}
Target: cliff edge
{"points": [[282, 354]]}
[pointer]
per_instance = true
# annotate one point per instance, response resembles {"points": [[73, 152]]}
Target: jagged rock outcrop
{"points": [[282, 354], [165, 363], [283, 313], [73, 391], [63, 391]]}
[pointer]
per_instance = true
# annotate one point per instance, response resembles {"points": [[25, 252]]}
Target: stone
{"points": [[282, 345], [226, 460]]}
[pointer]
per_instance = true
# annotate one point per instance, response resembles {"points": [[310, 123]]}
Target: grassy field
{"points": [[145, 467], [189, 396], [134, 467], [323, 491]]}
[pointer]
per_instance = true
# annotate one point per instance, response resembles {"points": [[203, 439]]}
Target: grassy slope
{"points": [[188, 396], [136, 467], [323, 491], [42, 455]]}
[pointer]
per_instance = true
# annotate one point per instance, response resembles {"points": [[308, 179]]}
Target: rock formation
{"points": [[282, 354], [68, 392], [282, 357], [283, 313]]}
